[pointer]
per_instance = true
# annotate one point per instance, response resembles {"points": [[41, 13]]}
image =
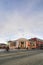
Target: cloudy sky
{"points": [[21, 18]]}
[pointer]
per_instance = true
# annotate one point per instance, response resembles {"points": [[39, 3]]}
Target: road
{"points": [[32, 57]]}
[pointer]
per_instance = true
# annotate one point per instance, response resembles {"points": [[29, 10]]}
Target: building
{"points": [[37, 42], [23, 43], [2, 46], [12, 44], [20, 43]]}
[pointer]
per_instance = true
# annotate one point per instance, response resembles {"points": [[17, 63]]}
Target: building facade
{"points": [[21, 43]]}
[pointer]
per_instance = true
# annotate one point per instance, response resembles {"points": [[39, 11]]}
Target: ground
{"points": [[33, 59]]}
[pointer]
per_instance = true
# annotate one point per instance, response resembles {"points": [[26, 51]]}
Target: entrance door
{"points": [[22, 45]]}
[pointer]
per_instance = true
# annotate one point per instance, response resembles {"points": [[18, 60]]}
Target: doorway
{"points": [[22, 44]]}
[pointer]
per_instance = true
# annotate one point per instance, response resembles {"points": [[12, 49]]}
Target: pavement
{"points": [[32, 60], [22, 57], [16, 51]]}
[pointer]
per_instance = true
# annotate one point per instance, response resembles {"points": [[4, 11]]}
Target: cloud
{"points": [[26, 22]]}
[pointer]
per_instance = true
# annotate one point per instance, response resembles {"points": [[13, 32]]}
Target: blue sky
{"points": [[21, 18]]}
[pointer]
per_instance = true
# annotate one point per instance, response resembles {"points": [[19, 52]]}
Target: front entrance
{"points": [[22, 44]]}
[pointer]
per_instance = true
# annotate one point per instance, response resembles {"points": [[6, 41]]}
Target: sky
{"points": [[21, 18]]}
